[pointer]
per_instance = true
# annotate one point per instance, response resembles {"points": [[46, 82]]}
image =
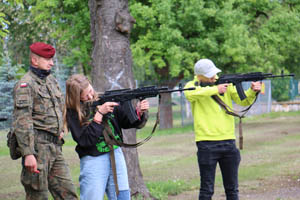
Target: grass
{"points": [[265, 156], [169, 164], [161, 190]]}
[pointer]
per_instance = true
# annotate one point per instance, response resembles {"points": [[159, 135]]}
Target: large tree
{"points": [[238, 35], [171, 35], [111, 25]]}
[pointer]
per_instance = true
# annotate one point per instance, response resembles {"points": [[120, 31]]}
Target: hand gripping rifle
{"points": [[237, 79]]}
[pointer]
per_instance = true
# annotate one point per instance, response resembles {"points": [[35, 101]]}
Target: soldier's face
{"points": [[43, 63], [87, 94]]}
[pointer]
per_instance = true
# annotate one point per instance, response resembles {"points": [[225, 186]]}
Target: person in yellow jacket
{"points": [[214, 129]]}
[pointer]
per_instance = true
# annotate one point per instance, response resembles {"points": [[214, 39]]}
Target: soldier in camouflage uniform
{"points": [[38, 125]]}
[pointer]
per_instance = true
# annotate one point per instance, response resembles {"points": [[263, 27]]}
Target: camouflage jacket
{"points": [[38, 105]]}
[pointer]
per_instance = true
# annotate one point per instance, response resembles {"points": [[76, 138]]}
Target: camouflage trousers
{"points": [[54, 174]]}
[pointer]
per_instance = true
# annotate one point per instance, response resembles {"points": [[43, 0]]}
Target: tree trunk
{"points": [[165, 111], [165, 104], [111, 24]]}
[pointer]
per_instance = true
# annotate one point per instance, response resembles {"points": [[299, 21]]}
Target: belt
{"points": [[48, 136]]}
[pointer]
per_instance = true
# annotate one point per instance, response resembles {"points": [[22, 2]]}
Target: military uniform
{"points": [[38, 122]]}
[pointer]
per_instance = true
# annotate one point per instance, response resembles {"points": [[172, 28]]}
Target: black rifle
{"points": [[3, 119], [124, 97], [237, 79]]}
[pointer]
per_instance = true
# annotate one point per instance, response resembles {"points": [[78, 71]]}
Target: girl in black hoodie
{"points": [[87, 126]]}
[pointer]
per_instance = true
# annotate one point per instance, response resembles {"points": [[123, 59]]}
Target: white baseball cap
{"points": [[206, 68]]}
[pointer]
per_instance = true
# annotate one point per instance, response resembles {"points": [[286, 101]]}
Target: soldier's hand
{"points": [[61, 135], [30, 164]]}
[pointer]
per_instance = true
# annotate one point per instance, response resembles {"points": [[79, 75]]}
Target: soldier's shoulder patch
{"points": [[22, 87], [22, 95]]}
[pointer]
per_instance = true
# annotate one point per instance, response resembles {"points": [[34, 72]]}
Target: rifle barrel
{"points": [[282, 75], [177, 90]]}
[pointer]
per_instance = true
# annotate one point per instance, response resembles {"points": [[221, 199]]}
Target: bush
{"points": [[280, 89], [8, 77]]}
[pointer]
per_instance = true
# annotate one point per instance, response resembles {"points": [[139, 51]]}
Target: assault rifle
{"points": [[124, 97], [237, 79]]}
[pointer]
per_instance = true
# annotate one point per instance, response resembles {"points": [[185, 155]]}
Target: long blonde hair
{"points": [[74, 87]]}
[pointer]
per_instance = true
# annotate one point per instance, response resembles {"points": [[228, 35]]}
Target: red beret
{"points": [[42, 49]]}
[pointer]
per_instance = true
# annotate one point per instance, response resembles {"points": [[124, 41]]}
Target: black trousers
{"points": [[228, 157]]}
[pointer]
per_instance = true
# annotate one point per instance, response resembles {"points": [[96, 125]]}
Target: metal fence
{"points": [[263, 103]]}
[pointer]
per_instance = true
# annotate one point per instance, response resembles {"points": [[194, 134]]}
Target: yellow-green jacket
{"points": [[211, 123]]}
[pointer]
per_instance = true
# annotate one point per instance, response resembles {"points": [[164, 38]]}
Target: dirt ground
{"points": [[281, 189]]}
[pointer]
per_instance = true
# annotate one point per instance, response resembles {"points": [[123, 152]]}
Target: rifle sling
{"points": [[234, 113], [111, 141], [112, 161]]}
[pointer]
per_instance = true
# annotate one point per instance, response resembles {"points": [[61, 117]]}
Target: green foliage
{"points": [[70, 25], [23, 31], [173, 35], [281, 43], [280, 89], [158, 43], [169, 36], [3, 22], [238, 35], [64, 24]]}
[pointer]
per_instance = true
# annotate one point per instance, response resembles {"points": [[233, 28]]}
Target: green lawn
{"points": [[169, 165]]}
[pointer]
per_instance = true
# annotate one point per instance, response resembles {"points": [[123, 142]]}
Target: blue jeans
{"points": [[228, 156], [96, 177]]}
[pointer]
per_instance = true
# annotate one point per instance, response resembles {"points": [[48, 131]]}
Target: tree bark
{"points": [[165, 104], [111, 24], [165, 111]]}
